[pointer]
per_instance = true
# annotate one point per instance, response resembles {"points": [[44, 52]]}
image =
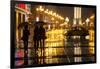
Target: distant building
{"points": [[21, 15], [77, 47]]}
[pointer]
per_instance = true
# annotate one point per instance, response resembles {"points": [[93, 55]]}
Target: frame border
{"points": [[13, 33]]}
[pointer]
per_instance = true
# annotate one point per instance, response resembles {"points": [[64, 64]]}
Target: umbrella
{"points": [[21, 25], [80, 32], [40, 23]]}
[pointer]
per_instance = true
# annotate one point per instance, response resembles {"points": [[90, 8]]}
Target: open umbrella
{"points": [[80, 32], [40, 23], [22, 25]]}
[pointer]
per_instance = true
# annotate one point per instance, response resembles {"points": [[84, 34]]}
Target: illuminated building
{"points": [[54, 44], [91, 34], [77, 16], [78, 40], [77, 22], [22, 12]]}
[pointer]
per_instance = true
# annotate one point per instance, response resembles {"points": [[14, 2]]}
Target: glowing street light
{"points": [[67, 19], [56, 21], [87, 21], [46, 11], [37, 19], [51, 12], [54, 14], [52, 18], [40, 9], [92, 17]]}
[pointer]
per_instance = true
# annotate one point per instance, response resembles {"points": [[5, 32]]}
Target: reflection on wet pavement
{"points": [[57, 50]]}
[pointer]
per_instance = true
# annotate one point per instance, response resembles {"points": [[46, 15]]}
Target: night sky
{"points": [[68, 11]]}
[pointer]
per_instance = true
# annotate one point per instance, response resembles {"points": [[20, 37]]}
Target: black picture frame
{"points": [[13, 33]]}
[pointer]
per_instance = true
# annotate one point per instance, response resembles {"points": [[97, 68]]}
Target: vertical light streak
{"points": [[37, 19], [17, 25], [75, 12]]}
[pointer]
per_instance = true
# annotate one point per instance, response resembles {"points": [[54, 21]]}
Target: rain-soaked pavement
{"points": [[56, 50]]}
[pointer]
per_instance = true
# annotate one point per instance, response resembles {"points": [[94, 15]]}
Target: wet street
{"points": [[48, 34], [56, 50]]}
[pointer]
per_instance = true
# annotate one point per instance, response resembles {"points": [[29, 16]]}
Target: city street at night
{"points": [[50, 34]]}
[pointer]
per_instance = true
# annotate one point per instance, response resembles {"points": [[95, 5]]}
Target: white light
{"points": [[49, 26], [92, 16], [26, 18], [87, 20], [40, 7], [56, 21], [67, 19], [37, 19], [52, 18], [87, 37]]}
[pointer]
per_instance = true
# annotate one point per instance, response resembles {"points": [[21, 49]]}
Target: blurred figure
{"points": [[36, 43], [25, 38], [36, 37], [39, 41], [42, 37]]}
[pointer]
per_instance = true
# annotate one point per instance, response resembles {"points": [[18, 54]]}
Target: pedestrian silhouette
{"points": [[36, 37], [36, 43], [42, 37], [39, 40], [25, 38]]}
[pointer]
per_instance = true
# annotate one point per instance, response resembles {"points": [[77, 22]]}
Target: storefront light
{"points": [[92, 17], [87, 37], [54, 14], [37, 19], [46, 11], [40, 7], [67, 19], [52, 18], [50, 12], [56, 21], [37, 9]]}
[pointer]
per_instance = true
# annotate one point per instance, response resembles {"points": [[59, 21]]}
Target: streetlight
{"points": [[67, 19], [87, 21], [37, 19], [92, 17], [46, 11], [52, 18]]}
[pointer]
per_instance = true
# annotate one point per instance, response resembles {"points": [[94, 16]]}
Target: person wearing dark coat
{"points": [[36, 37], [36, 43], [42, 37], [25, 38], [39, 40]]}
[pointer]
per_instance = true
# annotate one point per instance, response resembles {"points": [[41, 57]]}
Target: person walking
{"points": [[25, 38], [39, 41], [36, 43], [42, 37]]}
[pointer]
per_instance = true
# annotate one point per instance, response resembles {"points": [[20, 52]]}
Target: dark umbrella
{"points": [[40, 23], [21, 25], [80, 32]]}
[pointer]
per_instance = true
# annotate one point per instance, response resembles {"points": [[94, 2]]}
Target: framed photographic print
{"points": [[49, 34]]}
